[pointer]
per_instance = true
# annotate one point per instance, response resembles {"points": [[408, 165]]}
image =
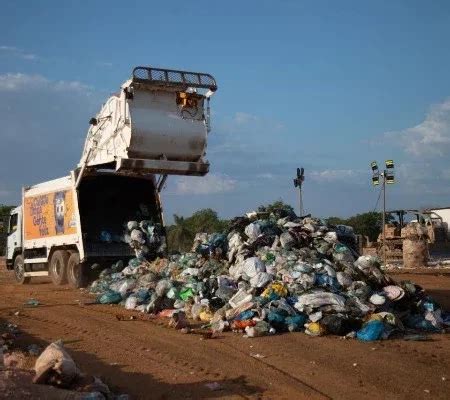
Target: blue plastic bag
{"points": [[370, 331], [249, 314], [295, 323]]}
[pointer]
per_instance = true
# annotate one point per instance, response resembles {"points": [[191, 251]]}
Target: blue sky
{"points": [[325, 85]]}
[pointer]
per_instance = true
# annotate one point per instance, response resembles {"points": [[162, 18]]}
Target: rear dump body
{"points": [[89, 221]]}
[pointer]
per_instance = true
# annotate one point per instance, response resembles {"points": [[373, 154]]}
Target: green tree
{"points": [[276, 205], [4, 212], [335, 221], [180, 235], [367, 224], [206, 220]]}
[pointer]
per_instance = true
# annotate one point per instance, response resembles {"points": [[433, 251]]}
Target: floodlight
{"points": [[374, 167]]}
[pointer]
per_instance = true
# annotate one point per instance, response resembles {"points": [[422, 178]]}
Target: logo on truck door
{"points": [[49, 214]]}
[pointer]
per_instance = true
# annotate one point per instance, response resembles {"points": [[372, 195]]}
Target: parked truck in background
{"points": [[157, 125]]}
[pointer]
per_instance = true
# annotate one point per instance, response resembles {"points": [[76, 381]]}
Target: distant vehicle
{"points": [[437, 238], [157, 125]]}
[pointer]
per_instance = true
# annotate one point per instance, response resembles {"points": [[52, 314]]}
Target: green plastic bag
{"points": [[185, 294]]}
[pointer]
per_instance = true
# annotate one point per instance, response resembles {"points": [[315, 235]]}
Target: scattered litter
{"points": [[32, 302], [268, 273], [257, 355], [55, 366]]}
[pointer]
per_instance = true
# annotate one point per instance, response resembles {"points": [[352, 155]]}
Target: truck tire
{"points": [[58, 267], [19, 271], [75, 272]]}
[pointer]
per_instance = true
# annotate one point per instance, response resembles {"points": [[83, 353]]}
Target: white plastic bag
{"points": [[261, 279], [251, 267], [253, 230]]}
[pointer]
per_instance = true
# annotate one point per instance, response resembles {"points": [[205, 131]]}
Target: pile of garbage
{"points": [[273, 273], [146, 238]]}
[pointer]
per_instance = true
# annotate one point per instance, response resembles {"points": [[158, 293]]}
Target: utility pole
{"points": [[387, 178], [298, 182]]}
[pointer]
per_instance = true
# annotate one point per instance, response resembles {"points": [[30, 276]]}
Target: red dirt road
{"points": [[148, 360]]}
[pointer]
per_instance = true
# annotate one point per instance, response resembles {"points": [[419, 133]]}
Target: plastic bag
{"points": [[261, 328], [287, 240], [319, 299], [251, 267], [260, 280], [185, 294], [132, 225], [131, 303], [253, 230], [110, 297], [55, 365], [137, 236], [295, 323], [241, 297], [162, 287], [314, 329], [372, 330]]}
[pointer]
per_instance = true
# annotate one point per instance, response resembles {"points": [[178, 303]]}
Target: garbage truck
{"points": [[156, 125]]}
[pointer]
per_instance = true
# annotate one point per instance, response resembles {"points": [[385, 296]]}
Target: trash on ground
{"points": [[32, 302], [257, 355]]}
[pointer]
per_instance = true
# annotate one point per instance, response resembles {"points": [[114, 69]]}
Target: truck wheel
{"points": [[19, 271], [58, 267], [75, 273]]}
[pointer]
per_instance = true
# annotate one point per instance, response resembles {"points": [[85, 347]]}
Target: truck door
{"points": [[14, 240]]}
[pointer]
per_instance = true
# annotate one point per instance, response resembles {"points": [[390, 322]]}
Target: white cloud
{"points": [[16, 52], [209, 184], [333, 175], [18, 82], [242, 118], [430, 137], [266, 175], [44, 124]]}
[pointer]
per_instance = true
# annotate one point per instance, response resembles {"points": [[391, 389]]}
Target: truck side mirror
{"points": [[93, 121]]}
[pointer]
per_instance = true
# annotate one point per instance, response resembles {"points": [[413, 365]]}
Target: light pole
{"points": [[298, 182], [387, 176]]}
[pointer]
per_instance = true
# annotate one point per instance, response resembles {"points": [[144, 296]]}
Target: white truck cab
{"points": [[14, 238]]}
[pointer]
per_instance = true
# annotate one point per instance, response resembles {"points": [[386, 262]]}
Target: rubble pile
{"points": [[273, 273]]}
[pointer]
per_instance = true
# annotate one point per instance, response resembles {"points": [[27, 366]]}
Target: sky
{"points": [[329, 86]]}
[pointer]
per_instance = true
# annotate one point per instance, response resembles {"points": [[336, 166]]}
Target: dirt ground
{"points": [[148, 360]]}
